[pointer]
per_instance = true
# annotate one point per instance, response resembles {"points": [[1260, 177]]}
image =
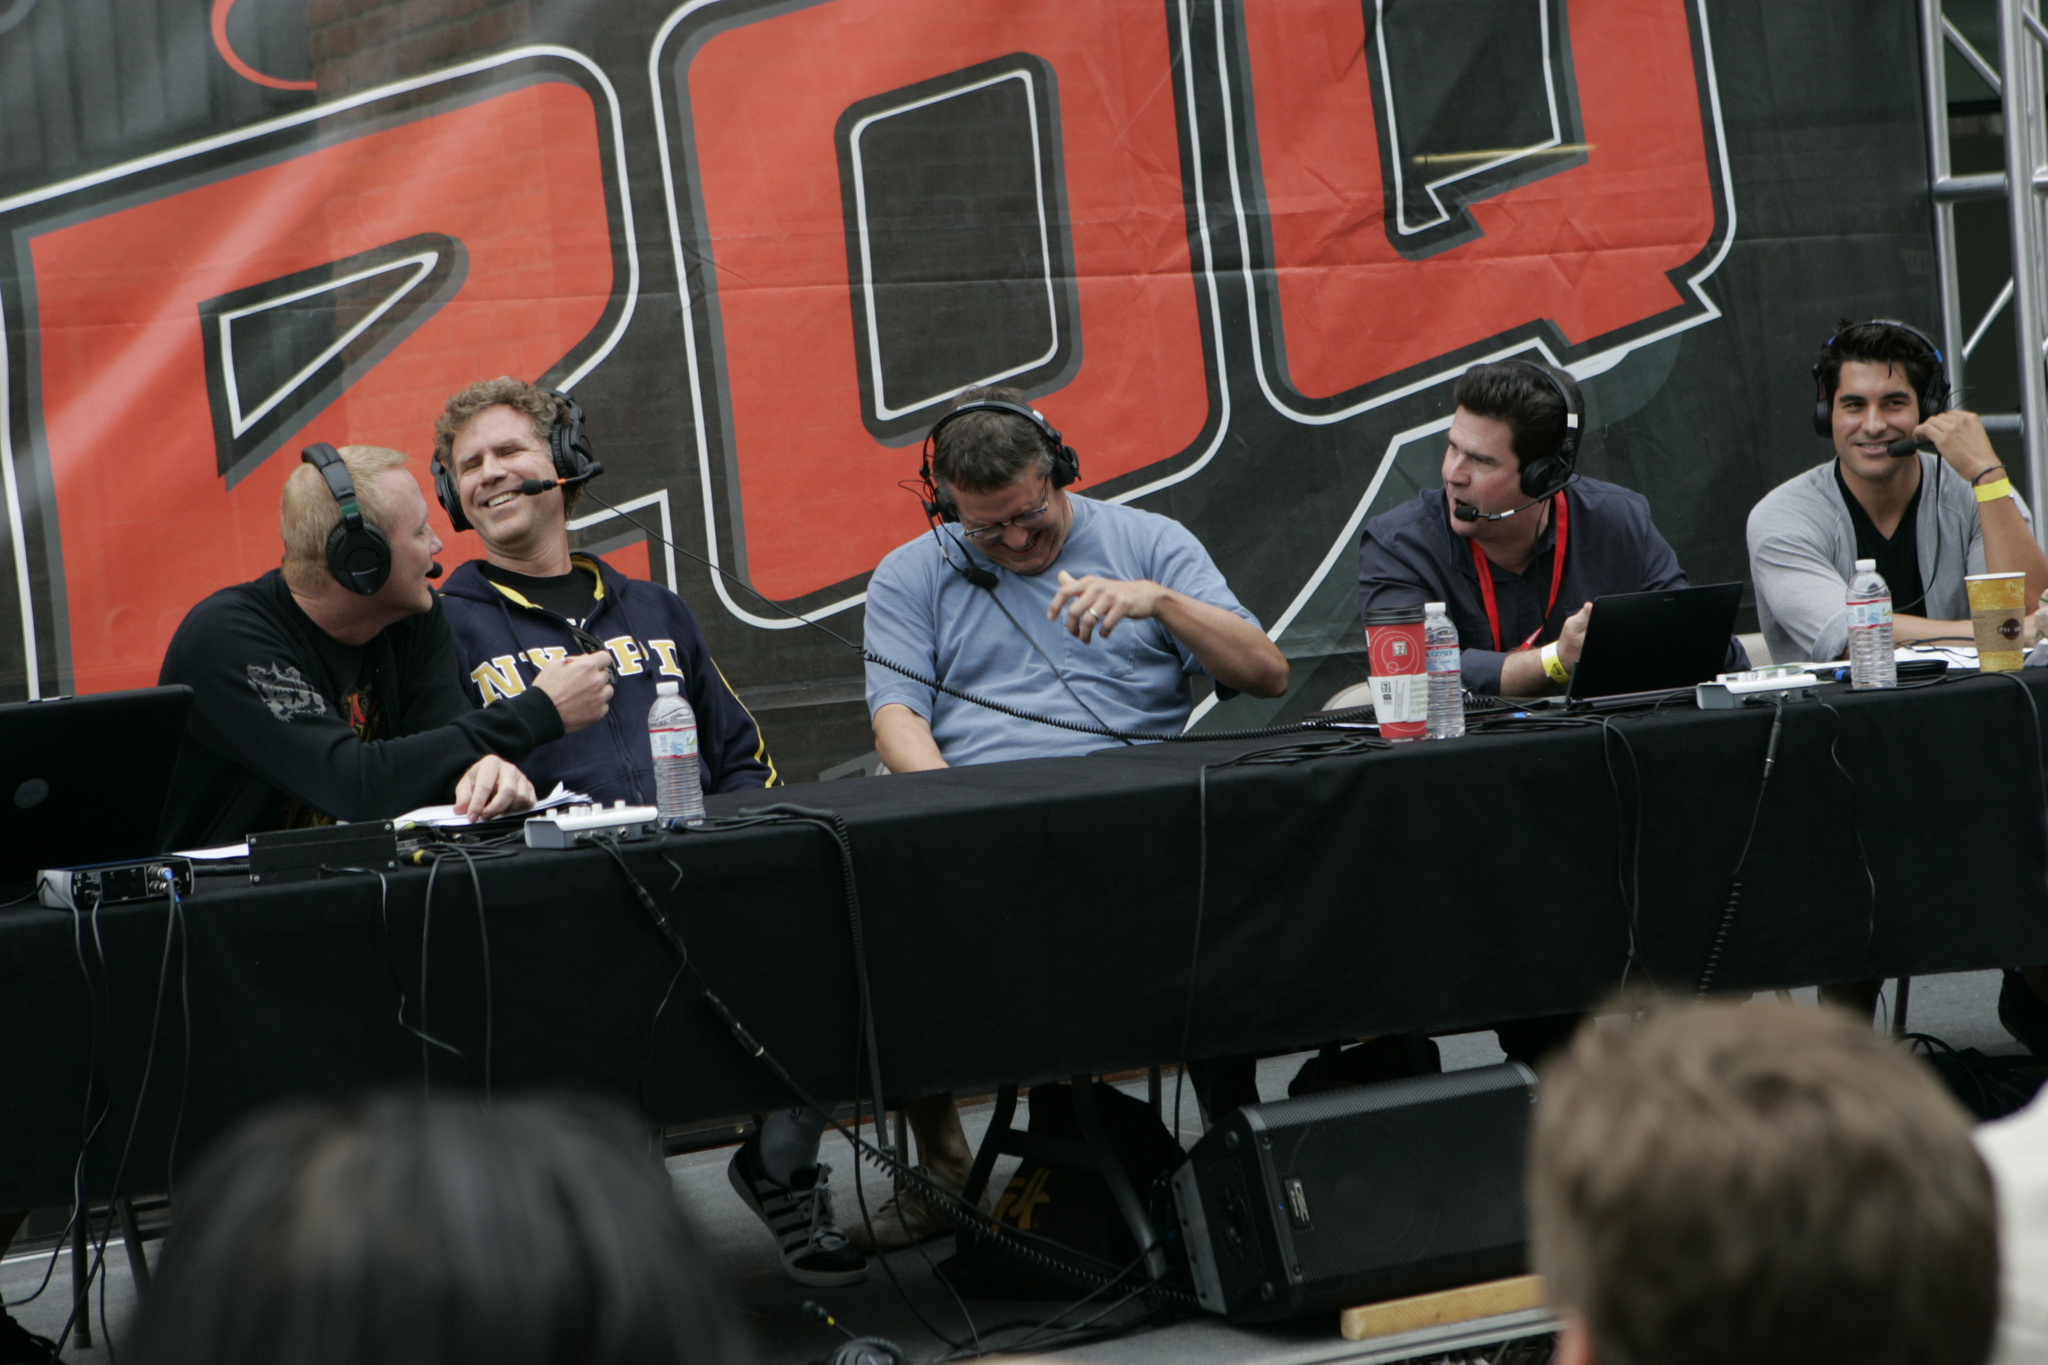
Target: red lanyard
{"points": [[1485, 568]]}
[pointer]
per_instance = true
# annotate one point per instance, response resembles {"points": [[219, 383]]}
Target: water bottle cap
{"points": [[1865, 565], [665, 689], [1436, 607]]}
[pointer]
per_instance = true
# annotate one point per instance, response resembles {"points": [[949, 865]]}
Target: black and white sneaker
{"points": [[799, 1214]]}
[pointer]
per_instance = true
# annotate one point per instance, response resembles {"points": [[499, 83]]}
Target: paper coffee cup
{"points": [[1998, 610], [1400, 672]]}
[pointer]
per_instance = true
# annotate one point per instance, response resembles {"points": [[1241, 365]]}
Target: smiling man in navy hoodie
{"points": [[531, 601]]}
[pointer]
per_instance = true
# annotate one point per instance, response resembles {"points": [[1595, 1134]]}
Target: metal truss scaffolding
{"points": [[2016, 77]]}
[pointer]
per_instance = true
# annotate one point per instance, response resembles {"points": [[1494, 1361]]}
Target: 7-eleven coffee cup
{"points": [[1400, 671], [1998, 610]]}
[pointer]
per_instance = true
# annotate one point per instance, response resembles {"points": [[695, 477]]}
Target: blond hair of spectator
{"points": [[1765, 1183], [308, 512]]}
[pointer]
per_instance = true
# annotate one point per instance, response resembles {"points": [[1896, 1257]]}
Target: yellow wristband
{"points": [[1554, 666], [1996, 489]]}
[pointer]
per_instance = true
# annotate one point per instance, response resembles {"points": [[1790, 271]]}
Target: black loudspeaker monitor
{"points": [[1360, 1195]]}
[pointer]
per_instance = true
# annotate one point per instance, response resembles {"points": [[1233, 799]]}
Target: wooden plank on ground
{"points": [[1443, 1307]]}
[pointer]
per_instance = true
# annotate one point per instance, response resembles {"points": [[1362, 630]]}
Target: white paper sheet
{"points": [[445, 816], [216, 854]]}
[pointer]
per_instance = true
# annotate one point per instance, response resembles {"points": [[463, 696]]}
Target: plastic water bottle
{"points": [[1446, 684], [1871, 661], [672, 730]]}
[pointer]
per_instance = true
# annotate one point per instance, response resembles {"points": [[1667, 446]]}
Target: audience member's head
{"points": [[409, 1233], [1758, 1184]]}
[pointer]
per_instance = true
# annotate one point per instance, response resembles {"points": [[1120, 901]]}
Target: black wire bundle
{"points": [[174, 930], [925, 680], [1045, 1254]]}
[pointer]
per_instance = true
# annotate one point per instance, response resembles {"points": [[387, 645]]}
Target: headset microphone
{"points": [[434, 569], [1899, 450], [1466, 512], [530, 487]]}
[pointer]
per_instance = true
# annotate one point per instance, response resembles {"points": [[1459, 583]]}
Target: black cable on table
{"points": [[171, 925], [1344, 744], [1057, 1258], [185, 1011], [391, 959], [88, 1126], [1628, 877], [1855, 823], [2034, 751], [483, 933], [925, 680], [833, 825], [1727, 921]]}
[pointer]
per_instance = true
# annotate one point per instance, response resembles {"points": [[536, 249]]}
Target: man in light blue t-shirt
{"points": [[1050, 603], [1045, 601]]}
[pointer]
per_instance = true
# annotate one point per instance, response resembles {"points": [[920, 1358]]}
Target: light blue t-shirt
{"points": [[926, 616]]}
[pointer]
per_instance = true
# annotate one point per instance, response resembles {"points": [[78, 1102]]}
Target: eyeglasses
{"points": [[1030, 521]]}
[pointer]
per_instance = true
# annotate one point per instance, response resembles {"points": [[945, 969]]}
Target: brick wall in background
{"points": [[356, 44]]}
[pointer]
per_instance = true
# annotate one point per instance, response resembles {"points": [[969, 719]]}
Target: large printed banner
{"points": [[1236, 251]]}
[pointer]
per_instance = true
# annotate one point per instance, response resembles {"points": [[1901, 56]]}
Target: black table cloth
{"points": [[1035, 920]]}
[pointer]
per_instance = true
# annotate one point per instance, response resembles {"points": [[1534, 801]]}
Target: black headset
{"points": [[1546, 474], [1933, 397], [358, 555], [568, 447], [1066, 465]]}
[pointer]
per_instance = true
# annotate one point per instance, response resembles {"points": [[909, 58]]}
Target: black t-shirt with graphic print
{"points": [[275, 716]]}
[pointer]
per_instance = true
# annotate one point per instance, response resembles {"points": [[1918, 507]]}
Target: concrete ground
{"points": [[1960, 1008]]}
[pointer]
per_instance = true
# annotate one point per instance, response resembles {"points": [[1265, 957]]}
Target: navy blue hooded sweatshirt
{"points": [[502, 640]]}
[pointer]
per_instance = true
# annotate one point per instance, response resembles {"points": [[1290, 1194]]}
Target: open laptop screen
{"points": [[84, 779]]}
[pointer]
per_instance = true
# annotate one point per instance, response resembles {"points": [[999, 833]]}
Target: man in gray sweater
{"points": [[1926, 518]]}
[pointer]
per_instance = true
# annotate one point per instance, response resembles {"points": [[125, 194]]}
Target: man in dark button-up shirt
{"points": [[1525, 635]]}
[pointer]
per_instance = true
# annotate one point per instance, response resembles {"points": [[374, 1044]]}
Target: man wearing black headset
{"points": [[510, 461], [530, 600], [1046, 601], [1516, 543], [326, 690], [1049, 602], [1928, 517]]}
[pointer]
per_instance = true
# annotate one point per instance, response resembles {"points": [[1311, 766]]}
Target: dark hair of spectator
{"points": [[1507, 391], [986, 451], [1875, 343], [402, 1232]]}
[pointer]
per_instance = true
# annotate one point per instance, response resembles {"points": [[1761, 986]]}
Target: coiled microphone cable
{"points": [[925, 680], [1727, 923]]}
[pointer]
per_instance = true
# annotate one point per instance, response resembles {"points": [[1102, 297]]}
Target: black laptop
{"points": [[1655, 641], [84, 779]]}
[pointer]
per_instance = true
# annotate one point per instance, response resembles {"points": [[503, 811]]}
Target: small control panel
{"points": [[568, 826]]}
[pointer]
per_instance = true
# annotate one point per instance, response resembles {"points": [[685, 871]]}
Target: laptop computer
{"points": [[84, 779], [1655, 641]]}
